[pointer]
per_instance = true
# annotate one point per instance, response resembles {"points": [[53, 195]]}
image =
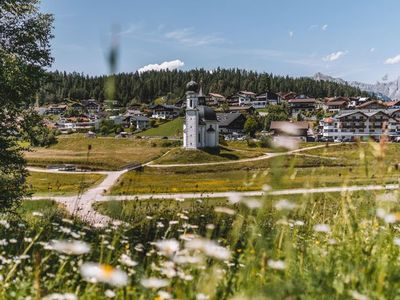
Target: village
{"points": [[329, 119]]}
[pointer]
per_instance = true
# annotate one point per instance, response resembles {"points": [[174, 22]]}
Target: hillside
{"points": [[145, 87]]}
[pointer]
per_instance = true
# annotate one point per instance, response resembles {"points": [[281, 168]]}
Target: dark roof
{"points": [[225, 119], [207, 113]]}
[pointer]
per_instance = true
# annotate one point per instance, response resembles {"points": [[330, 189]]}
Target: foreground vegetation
{"points": [[98, 153]]}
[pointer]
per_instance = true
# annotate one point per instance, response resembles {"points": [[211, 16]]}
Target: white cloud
{"points": [[334, 56], [291, 34], [167, 65], [188, 37], [393, 60], [324, 27], [372, 50]]}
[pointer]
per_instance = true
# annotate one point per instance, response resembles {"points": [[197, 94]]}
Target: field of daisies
{"points": [[319, 246], [309, 246]]}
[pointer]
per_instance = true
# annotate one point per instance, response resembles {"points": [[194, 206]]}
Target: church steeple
{"points": [[201, 97]]}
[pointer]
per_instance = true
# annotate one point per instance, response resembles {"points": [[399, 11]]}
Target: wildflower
{"points": [[224, 210], [396, 241], [37, 214], [70, 247], [322, 228], [164, 295], [180, 199], [201, 296], [276, 264], [210, 226], [13, 241], [168, 247], [5, 224], [173, 222], [252, 203], [127, 261], [109, 294], [266, 187], [186, 259], [285, 205], [94, 272], [357, 296], [56, 296], [209, 248], [234, 198], [154, 283]]}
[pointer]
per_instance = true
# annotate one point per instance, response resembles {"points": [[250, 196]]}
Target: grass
{"points": [[311, 246], [172, 128], [283, 172], [61, 184], [106, 153], [183, 156]]}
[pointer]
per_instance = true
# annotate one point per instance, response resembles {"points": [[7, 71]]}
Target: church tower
{"points": [[191, 138]]}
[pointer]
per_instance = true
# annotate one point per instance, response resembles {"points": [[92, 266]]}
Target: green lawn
{"points": [[172, 128], [183, 156], [105, 152], [54, 184]]}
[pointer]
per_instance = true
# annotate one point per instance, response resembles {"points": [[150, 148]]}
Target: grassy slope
{"points": [[105, 153], [61, 184], [182, 156], [171, 129]]}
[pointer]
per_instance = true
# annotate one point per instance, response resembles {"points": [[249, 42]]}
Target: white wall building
{"points": [[200, 129]]}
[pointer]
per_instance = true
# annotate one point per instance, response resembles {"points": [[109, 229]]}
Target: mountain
{"points": [[383, 90]]}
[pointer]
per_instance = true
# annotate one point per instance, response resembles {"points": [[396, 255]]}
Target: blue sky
{"points": [[355, 40]]}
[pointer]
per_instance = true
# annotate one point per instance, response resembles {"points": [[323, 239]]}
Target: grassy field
{"points": [[310, 246], [183, 156], [54, 184], [283, 172], [172, 128], [106, 153]]}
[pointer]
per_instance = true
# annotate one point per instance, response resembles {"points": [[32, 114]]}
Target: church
{"points": [[200, 129]]}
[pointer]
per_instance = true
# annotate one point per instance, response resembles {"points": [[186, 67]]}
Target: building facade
{"points": [[200, 129]]}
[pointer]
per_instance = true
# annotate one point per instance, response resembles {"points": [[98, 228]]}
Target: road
{"points": [[82, 205]]}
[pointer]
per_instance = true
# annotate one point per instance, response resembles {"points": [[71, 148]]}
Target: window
{"points": [[199, 138], [191, 103]]}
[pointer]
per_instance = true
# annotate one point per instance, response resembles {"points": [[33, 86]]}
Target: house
{"points": [[269, 98], [335, 104], [215, 99], [393, 104], [288, 128], [200, 129], [164, 111], [231, 122], [91, 106], [246, 98], [361, 123], [287, 96], [302, 105], [374, 104], [139, 122], [56, 109]]}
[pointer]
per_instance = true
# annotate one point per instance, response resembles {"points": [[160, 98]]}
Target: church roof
{"points": [[207, 113]]}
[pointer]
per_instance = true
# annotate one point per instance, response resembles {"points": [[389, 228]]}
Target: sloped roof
{"points": [[282, 125], [225, 119]]}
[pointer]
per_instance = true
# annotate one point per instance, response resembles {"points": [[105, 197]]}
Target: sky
{"points": [[354, 40]]}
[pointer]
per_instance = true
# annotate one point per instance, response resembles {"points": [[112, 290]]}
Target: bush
{"points": [[265, 142]]}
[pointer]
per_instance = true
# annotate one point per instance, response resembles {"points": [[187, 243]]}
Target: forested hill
{"points": [[145, 87]]}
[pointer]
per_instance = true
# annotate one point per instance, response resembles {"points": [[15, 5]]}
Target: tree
{"points": [[251, 126], [24, 53]]}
